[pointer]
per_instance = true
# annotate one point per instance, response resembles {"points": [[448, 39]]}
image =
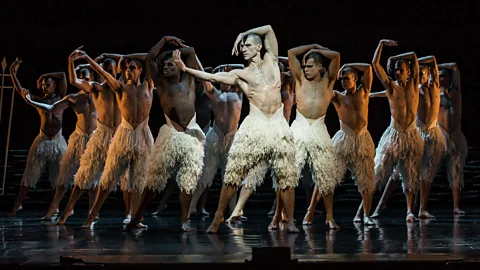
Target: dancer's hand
{"points": [[237, 42], [14, 66], [178, 60]]}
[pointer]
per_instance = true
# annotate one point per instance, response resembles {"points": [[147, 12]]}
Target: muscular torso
{"points": [[403, 102], [50, 122], [450, 113], [178, 100], [108, 112], [84, 108], [428, 104], [352, 109], [287, 91], [203, 110], [227, 107], [135, 103], [313, 97]]}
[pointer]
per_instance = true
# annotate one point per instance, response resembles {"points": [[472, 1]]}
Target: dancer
{"points": [[93, 160], [49, 146], [401, 145]]}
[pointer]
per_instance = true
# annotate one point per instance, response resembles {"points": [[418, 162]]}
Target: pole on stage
{"points": [[4, 65]]}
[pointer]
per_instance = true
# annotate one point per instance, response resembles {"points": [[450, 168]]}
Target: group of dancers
{"points": [[113, 146]]}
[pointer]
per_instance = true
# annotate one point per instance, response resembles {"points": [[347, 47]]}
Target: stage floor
{"points": [[26, 240]]}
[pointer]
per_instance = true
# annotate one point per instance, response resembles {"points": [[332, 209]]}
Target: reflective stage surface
{"points": [[25, 239]]}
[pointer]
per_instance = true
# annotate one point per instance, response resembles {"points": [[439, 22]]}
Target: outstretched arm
{"points": [[228, 66], [378, 94], [381, 74], [294, 63], [229, 78], [366, 69], [112, 82], [334, 63], [270, 40]]}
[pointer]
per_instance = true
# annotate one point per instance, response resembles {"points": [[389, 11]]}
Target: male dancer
{"points": [[93, 160], [401, 145], [127, 154], [314, 93], [49, 146], [264, 135], [178, 150]]}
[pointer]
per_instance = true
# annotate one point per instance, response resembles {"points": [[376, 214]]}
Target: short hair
{"points": [[255, 38], [136, 61], [351, 70], [317, 58], [400, 61], [448, 71], [84, 72], [109, 61]]}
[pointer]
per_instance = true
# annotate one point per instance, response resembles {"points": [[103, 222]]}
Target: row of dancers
{"points": [[113, 146]]}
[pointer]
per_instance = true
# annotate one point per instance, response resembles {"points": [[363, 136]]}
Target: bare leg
{"points": [[53, 209], [99, 200], [18, 203], [203, 201], [130, 197], [359, 214], [307, 220], [392, 185], [424, 193], [127, 200], [456, 201], [237, 212], [328, 201], [277, 217], [233, 202], [185, 200], [74, 196], [171, 184], [194, 200], [287, 197], [274, 206], [225, 196], [147, 196], [367, 205], [410, 216]]}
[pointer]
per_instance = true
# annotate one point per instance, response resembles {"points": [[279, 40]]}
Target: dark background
{"points": [[43, 34]]}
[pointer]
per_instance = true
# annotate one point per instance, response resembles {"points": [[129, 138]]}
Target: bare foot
{"points": [[458, 211], [358, 219], [127, 219], [235, 216], [15, 210], [160, 211], [213, 228], [368, 221], [205, 213], [377, 211], [185, 227], [331, 223], [291, 228], [135, 223], [411, 217], [61, 221], [307, 220], [274, 225], [425, 214], [271, 213]]}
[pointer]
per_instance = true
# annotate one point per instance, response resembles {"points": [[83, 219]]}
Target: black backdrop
{"points": [[44, 33]]}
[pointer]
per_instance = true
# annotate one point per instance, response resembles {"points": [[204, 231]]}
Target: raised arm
{"points": [[294, 63], [366, 69], [431, 61], [455, 84], [229, 78], [410, 56], [157, 48], [207, 86], [60, 78], [225, 66], [72, 75], [381, 74], [16, 83], [270, 40], [112, 82], [334, 63]]}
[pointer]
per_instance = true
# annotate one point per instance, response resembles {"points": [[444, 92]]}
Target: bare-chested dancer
{"points": [[264, 135], [93, 160], [449, 121], [82, 103], [434, 142], [133, 141], [287, 92], [49, 146], [178, 150], [401, 145], [353, 145], [314, 93], [226, 104]]}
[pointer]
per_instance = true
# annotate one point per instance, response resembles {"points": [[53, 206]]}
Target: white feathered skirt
{"points": [[456, 152]]}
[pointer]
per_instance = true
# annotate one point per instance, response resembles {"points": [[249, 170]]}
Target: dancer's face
{"points": [[445, 78], [48, 86], [111, 68], [423, 75], [311, 69], [85, 74], [132, 71], [348, 80], [402, 72], [169, 68], [249, 48]]}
